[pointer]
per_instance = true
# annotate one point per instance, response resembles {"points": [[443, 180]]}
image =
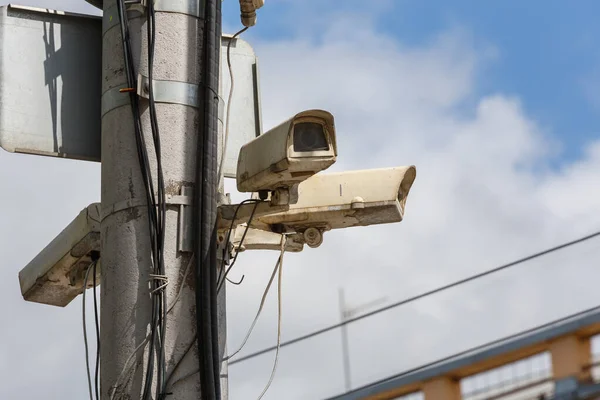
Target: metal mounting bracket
{"points": [[186, 7], [257, 239], [226, 213], [173, 92], [185, 232]]}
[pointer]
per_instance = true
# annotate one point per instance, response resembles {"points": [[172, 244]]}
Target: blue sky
{"points": [[546, 52]]}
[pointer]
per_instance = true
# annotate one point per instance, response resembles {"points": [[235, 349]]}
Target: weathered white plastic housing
{"points": [[256, 239], [345, 199], [271, 161], [55, 276]]}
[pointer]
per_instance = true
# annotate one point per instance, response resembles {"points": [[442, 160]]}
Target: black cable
{"points": [[214, 65], [230, 231], [214, 314], [156, 229], [474, 349], [222, 281], [238, 282], [97, 322], [419, 296], [206, 206], [85, 338], [159, 299]]}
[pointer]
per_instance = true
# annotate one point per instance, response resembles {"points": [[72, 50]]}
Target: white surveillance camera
{"points": [[56, 275], [342, 200], [288, 154]]}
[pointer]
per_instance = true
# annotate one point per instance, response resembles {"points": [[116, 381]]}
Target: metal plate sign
{"points": [[245, 113], [50, 86], [50, 65]]}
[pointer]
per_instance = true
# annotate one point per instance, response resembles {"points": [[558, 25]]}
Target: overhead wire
{"points": [[419, 296], [476, 349]]}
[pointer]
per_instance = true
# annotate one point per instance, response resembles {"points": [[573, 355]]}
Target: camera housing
{"points": [[56, 275], [345, 199], [277, 161]]}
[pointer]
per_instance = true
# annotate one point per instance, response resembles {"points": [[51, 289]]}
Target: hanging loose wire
{"points": [[222, 273], [97, 322], [277, 270], [260, 308], [222, 277], [229, 101], [85, 338], [283, 240]]}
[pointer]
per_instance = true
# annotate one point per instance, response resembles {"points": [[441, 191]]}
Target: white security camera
{"points": [[56, 275], [342, 200], [288, 154]]}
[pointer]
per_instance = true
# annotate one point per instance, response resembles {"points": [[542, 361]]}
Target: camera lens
{"points": [[309, 136]]}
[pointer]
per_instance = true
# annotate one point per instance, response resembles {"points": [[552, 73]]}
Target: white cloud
{"points": [[483, 196]]}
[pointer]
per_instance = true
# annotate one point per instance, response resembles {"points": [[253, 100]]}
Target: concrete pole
{"points": [[125, 298]]}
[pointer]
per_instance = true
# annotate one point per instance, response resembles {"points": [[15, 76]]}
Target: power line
{"points": [[475, 349], [419, 296]]}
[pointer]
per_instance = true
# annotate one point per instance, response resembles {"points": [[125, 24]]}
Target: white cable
{"points": [[227, 117], [147, 338], [114, 388], [87, 354], [283, 240], [278, 266], [262, 303]]}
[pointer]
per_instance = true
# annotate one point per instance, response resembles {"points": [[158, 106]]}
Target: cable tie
{"points": [[163, 278]]}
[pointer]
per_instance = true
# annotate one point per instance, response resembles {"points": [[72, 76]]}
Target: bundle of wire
{"points": [[155, 200], [205, 243]]}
